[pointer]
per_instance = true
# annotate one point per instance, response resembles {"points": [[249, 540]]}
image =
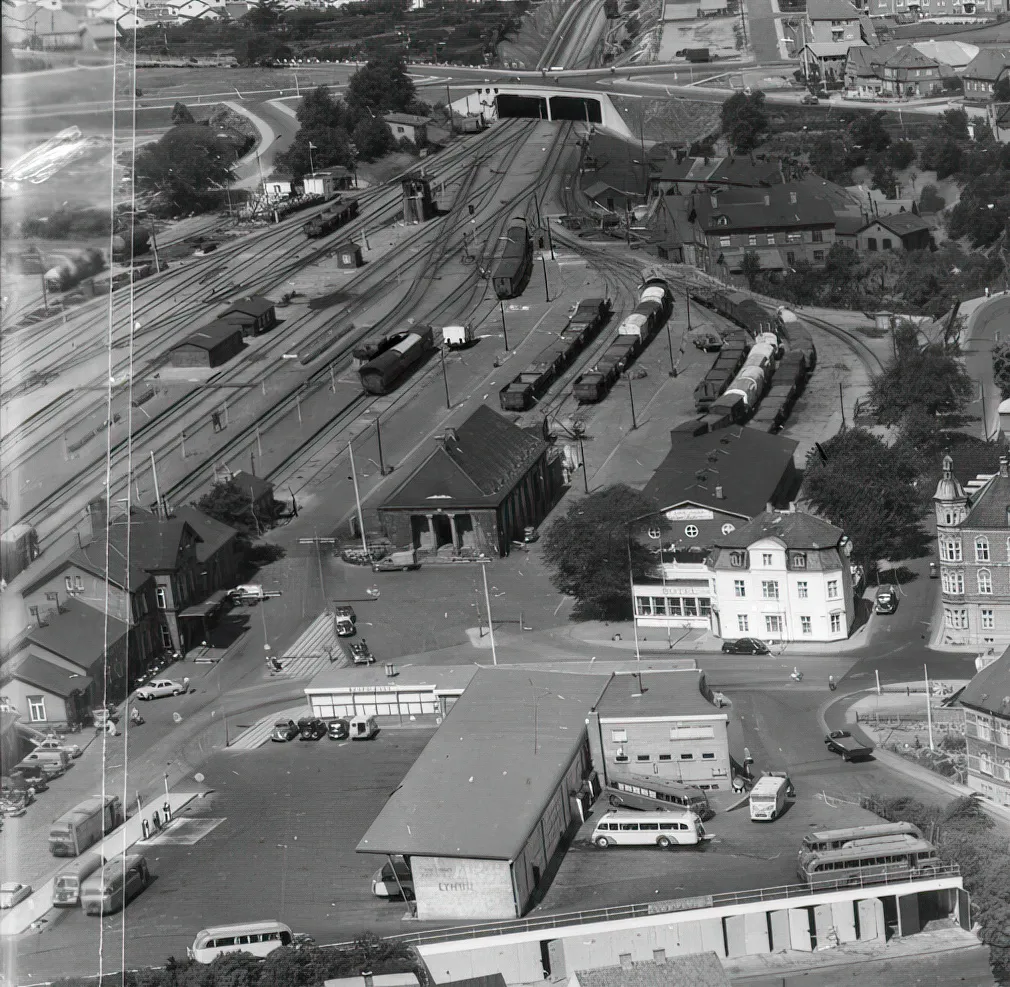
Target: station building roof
{"points": [[484, 779], [678, 692]]}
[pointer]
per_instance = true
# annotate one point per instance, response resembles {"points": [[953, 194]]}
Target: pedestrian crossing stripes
{"points": [[259, 733], [316, 649]]}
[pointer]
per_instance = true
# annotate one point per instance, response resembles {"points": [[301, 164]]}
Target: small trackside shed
{"points": [[208, 347], [255, 314], [484, 811]]}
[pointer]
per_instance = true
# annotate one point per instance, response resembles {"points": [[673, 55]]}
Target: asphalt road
{"points": [[988, 324]]}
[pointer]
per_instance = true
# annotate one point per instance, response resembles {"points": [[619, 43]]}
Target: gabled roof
{"points": [[731, 210], [989, 690], [989, 64], [49, 678], [483, 781], [831, 49], [795, 529], [474, 465], [831, 10], [989, 508], [77, 633], [730, 169], [908, 57], [254, 305], [746, 462], [900, 223], [408, 119], [212, 336], [212, 533]]}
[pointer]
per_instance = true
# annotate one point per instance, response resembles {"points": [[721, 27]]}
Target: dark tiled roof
{"points": [[475, 465], [479, 787], [989, 690], [254, 305], [747, 463], [902, 223], [988, 64], [723, 169], [910, 58], [491, 980], [990, 505], [77, 633], [50, 678], [666, 694], [212, 533], [692, 970], [746, 209], [831, 10], [794, 529], [849, 225], [210, 337]]}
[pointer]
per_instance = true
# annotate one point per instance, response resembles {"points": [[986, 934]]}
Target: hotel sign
{"points": [[690, 514]]}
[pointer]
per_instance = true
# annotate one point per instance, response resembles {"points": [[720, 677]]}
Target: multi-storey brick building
{"points": [[973, 535], [986, 703]]}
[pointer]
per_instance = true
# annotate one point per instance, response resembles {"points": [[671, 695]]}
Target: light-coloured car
{"points": [[160, 688], [53, 763], [11, 893], [55, 744]]}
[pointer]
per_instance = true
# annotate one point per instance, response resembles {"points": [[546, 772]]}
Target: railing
{"points": [[591, 916]]}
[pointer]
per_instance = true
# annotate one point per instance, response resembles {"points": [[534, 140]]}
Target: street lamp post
{"points": [[445, 378], [631, 394]]}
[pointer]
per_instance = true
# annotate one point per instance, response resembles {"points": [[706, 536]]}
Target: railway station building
{"points": [[210, 346], [485, 481], [483, 814], [255, 314], [708, 486]]}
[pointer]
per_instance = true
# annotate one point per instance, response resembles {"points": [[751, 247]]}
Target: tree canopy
{"points": [[744, 120], [867, 489], [226, 503], [587, 551], [325, 124], [381, 86], [181, 114], [1001, 367], [924, 378], [869, 132], [186, 169]]}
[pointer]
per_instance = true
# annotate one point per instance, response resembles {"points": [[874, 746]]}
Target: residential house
{"points": [[40, 28], [900, 69], [986, 704], [983, 72], [46, 694], [910, 73], [973, 535], [902, 231], [100, 35], [663, 725], [708, 486], [408, 126], [828, 30], [785, 576], [485, 481], [781, 225], [928, 9]]}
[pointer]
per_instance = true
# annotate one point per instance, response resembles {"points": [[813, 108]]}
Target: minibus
{"points": [[666, 828]]}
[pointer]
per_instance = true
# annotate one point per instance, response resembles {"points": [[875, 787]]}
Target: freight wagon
{"points": [[385, 371], [513, 271], [331, 218]]}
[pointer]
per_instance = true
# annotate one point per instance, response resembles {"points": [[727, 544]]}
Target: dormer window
{"points": [[722, 220], [738, 559], [799, 560]]}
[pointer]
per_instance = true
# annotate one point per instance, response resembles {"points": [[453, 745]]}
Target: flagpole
{"points": [[312, 167]]}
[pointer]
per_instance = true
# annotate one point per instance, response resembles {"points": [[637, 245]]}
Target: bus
{"points": [[768, 798], [835, 839], [257, 938], [869, 863], [665, 828], [640, 792]]}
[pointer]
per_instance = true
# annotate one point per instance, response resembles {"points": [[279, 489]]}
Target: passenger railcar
{"points": [[385, 371], [513, 271]]}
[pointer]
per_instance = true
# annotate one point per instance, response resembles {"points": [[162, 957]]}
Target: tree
{"points": [[750, 266], [953, 124], [884, 178], [264, 14], [181, 114], [324, 123], [927, 378], [227, 503], [901, 154], [869, 133], [1001, 91], [1001, 367], [184, 170], [587, 549], [373, 138], [380, 86], [930, 199], [868, 490], [744, 120], [828, 159]]}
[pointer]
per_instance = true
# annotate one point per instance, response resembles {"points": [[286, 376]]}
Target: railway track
{"points": [[174, 420]]}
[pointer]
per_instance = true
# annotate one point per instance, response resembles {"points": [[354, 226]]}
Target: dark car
{"points": [[887, 600], [339, 730], [311, 728], [284, 730], [745, 646]]}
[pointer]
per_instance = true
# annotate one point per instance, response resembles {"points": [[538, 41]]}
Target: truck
{"points": [[457, 337], [697, 55], [768, 797], [84, 825], [397, 562], [842, 742]]}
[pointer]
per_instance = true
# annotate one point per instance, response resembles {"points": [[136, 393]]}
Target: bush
{"points": [[901, 154], [930, 199]]}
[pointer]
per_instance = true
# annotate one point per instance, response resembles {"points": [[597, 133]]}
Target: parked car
{"points": [[842, 742], [397, 562], [887, 600], [311, 728], [284, 730], [52, 766], [361, 654], [339, 730], [23, 778], [745, 646], [346, 610], [11, 893], [809, 99], [159, 688], [345, 626], [53, 743], [389, 879]]}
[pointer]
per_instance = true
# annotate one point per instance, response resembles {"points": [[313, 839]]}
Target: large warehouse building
{"points": [[484, 809]]}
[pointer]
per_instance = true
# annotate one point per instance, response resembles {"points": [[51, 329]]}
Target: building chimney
{"points": [[768, 199], [792, 198], [1004, 466], [719, 495]]}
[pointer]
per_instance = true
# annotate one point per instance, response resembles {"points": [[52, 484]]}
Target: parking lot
{"points": [[274, 839]]}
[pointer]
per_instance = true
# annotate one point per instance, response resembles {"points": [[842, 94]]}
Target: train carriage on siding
{"points": [[381, 374], [334, 216], [512, 273]]}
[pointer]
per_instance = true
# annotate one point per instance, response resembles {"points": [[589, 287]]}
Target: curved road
{"points": [[988, 323]]}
